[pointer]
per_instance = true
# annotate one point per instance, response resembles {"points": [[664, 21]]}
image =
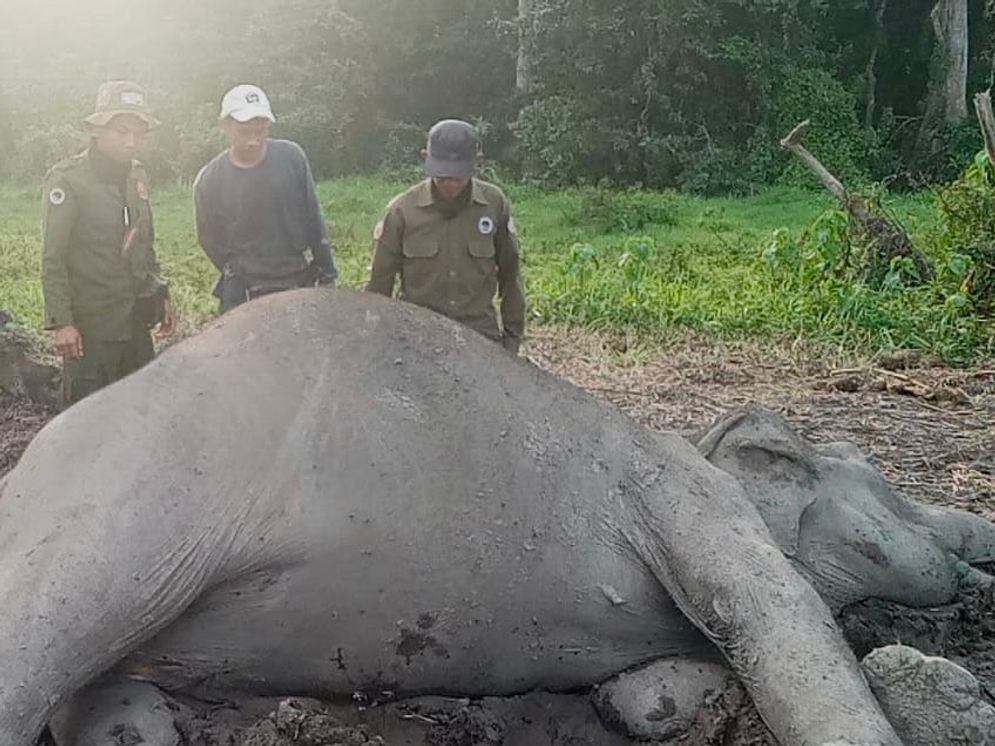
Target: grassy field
{"points": [[649, 263]]}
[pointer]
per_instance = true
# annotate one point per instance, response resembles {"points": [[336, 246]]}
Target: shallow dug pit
{"points": [[537, 719]]}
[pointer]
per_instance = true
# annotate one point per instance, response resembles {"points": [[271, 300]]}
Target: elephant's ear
{"points": [[775, 466]]}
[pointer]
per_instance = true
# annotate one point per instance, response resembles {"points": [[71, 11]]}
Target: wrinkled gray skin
{"points": [[931, 701], [328, 492]]}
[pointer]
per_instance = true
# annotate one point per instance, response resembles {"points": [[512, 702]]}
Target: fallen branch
{"points": [[889, 240]]}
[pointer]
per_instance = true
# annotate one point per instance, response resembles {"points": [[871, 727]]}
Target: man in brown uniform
{"points": [[453, 241], [100, 276]]}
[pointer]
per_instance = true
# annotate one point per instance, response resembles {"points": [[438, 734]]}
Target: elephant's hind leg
{"points": [[672, 699], [117, 711]]}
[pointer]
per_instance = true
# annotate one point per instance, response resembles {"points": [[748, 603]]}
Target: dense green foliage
{"points": [[967, 208], [772, 266], [686, 94]]}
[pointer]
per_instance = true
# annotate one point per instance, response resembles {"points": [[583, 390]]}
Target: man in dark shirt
{"points": [[257, 209]]}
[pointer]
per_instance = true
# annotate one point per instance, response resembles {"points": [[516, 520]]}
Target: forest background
{"points": [[639, 141], [685, 94]]}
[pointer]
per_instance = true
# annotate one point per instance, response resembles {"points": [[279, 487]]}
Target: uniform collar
{"points": [[106, 169], [427, 199]]}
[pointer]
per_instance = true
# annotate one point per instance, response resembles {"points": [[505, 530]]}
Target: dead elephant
{"points": [[328, 492]]}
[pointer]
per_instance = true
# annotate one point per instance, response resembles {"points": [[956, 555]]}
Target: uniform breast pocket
{"points": [[420, 248], [482, 247]]}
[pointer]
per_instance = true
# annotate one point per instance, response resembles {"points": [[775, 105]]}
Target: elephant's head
{"points": [[834, 514]]}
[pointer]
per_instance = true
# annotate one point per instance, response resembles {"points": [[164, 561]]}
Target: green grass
{"points": [[651, 263]]}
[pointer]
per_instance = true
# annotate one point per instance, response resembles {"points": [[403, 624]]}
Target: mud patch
{"points": [[536, 719], [964, 632], [28, 394], [20, 419], [293, 722], [415, 643]]}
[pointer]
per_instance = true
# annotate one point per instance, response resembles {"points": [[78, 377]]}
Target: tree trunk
{"points": [[878, 8], [523, 70], [950, 25], [946, 102], [983, 108]]}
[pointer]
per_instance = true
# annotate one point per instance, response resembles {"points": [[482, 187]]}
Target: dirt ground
{"points": [[27, 394], [929, 428]]}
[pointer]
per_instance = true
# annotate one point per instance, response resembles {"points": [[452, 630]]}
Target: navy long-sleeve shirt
{"points": [[269, 210]]}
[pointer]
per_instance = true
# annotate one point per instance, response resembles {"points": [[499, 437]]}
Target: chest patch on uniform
{"points": [[485, 225], [143, 191], [378, 231], [57, 196]]}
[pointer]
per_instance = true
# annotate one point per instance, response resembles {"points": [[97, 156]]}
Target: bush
{"points": [[967, 210], [951, 147], [399, 151], [38, 147], [900, 310], [836, 137], [629, 211], [557, 141], [188, 138]]}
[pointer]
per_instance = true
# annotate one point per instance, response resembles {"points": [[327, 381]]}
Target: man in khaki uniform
{"points": [[100, 277], [453, 241]]}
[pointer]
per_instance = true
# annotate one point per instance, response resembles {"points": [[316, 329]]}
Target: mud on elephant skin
{"points": [[328, 492]]}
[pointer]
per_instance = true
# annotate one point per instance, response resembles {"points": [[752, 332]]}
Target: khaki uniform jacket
{"points": [[98, 255], [456, 264]]}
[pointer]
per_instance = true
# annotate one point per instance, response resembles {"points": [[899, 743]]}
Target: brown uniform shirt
{"points": [[454, 264]]}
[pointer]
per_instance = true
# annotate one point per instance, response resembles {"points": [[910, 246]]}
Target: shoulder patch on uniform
{"points": [[378, 231], [485, 225], [57, 196]]}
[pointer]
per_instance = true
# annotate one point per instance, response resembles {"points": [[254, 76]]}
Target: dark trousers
{"points": [[103, 363], [232, 291]]}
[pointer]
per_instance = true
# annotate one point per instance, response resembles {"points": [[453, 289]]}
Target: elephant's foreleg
{"points": [[931, 701], [710, 549]]}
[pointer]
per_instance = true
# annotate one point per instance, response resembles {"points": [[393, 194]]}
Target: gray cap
{"points": [[453, 147]]}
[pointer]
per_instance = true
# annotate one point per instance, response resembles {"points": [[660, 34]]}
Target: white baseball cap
{"points": [[245, 102]]}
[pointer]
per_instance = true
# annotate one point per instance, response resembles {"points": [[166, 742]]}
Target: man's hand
{"points": [[68, 341], [168, 323]]}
